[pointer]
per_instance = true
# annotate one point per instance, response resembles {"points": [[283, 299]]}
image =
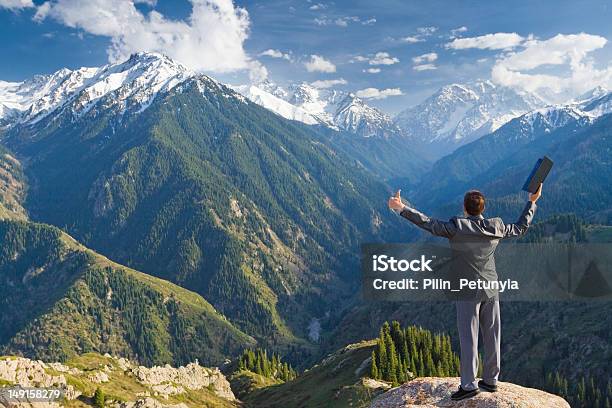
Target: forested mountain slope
{"points": [[59, 299], [498, 164], [209, 190]]}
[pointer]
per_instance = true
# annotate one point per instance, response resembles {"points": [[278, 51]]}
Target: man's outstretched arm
{"points": [[437, 227], [521, 226]]}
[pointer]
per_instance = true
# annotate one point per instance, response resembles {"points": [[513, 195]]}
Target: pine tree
{"points": [[374, 371], [412, 350], [99, 398], [382, 356], [581, 391]]}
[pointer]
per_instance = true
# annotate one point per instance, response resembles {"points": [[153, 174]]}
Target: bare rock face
{"points": [[149, 403], [432, 392], [98, 377], [27, 373], [193, 377], [30, 373]]}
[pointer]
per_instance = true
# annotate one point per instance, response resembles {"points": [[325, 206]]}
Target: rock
{"points": [[149, 403], [29, 373], [59, 367], [98, 377], [167, 389], [124, 363], [193, 377], [432, 392], [375, 384]]}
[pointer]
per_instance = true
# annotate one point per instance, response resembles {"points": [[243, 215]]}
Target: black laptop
{"points": [[538, 174]]}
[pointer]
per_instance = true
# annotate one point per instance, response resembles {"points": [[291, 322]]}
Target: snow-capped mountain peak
{"points": [[336, 109], [460, 113], [134, 83]]}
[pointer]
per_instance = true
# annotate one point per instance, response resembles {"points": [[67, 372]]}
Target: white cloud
{"points": [[210, 39], [557, 50], [374, 93], [15, 5], [576, 71], [424, 67], [458, 30], [422, 34], [359, 58], [372, 70], [319, 64], [318, 6], [496, 41], [425, 62], [257, 72], [427, 30], [429, 57], [341, 21], [411, 39], [275, 54], [383, 58], [370, 21], [151, 3], [344, 21], [328, 83]]}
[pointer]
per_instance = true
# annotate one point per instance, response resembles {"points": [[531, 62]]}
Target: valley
{"points": [[151, 212]]}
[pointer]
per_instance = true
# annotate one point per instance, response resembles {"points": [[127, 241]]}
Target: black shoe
{"points": [[463, 394], [487, 387]]}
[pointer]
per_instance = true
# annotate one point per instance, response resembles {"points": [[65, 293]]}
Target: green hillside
{"points": [[59, 299], [259, 215], [337, 381], [354, 374]]}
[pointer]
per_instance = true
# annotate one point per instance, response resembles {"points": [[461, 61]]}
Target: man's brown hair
{"points": [[474, 202]]}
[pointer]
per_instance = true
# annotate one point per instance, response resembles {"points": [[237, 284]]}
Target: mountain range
{"points": [[338, 110], [175, 174], [171, 217], [575, 136], [461, 113], [455, 115]]}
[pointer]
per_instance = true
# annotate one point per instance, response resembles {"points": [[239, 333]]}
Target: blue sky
{"points": [[393, 53]]}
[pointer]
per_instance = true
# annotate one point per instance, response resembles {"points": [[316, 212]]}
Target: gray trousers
{"points": [[472, 315]]}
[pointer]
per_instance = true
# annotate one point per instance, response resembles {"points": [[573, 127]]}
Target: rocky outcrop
{"points": [[193, 377], [155, 385], [24, 372], [431, 392], [148, 403]]}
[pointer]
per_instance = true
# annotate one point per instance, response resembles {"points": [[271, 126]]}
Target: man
{"points": [[473, 240]]}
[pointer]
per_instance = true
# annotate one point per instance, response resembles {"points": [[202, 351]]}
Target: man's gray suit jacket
{"points": [[473, 239]]}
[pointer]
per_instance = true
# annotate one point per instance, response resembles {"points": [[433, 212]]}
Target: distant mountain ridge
{"points": [[574, 135], [338, 110], [460, 113]]}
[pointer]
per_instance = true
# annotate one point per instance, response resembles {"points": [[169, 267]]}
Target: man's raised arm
{"points": [[437, 227], [521, 226]]}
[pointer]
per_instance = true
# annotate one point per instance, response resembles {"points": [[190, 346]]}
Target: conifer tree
{"points": [[374, 371], [99, 399]]}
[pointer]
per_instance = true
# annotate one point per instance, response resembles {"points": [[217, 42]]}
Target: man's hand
{"points": [[536, 196], [395, 202]]}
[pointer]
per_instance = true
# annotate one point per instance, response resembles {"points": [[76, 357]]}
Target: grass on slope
{"points": [[66, 300], [335, 382]]}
